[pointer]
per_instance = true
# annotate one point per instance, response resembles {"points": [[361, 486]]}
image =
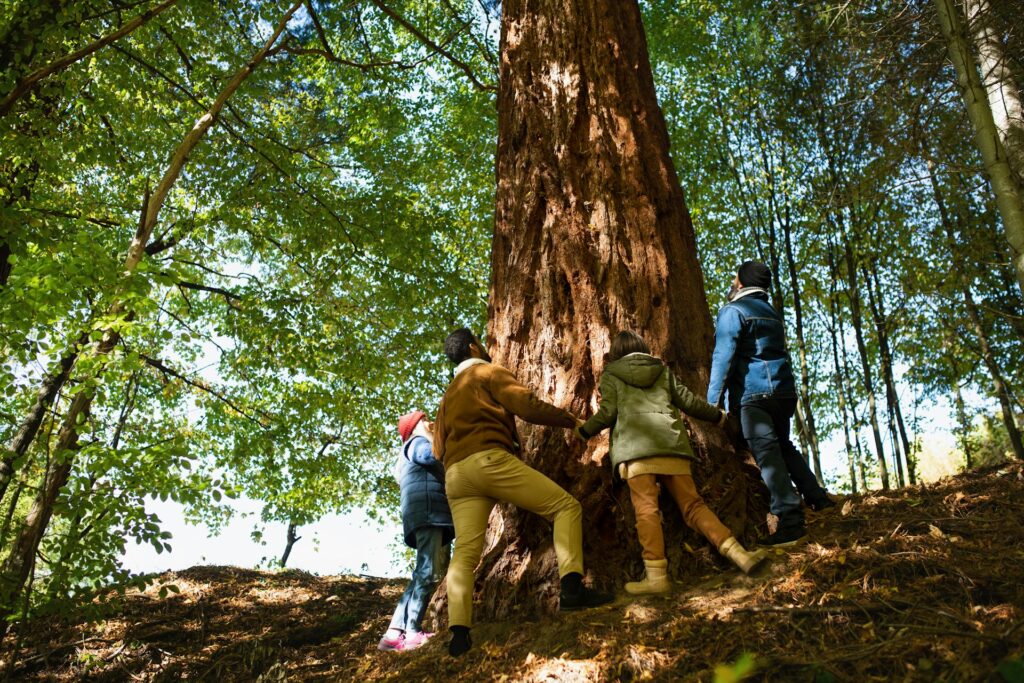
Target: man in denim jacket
{"points": [[751, 366]]}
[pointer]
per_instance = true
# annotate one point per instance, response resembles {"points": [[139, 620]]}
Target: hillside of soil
{"points": [[921, 584]]}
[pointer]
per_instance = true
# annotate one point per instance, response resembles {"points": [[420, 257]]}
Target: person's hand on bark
{"points": [[576, 429]]}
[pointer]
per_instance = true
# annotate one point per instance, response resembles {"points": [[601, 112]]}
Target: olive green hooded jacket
{"points": [[641, 399]]}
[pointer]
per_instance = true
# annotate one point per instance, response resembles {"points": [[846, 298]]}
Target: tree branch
{"points": [[408, 26], [25, 84], [230, 297], [158, 364]]}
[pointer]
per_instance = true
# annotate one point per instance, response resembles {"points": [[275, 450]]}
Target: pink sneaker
{"points": [[414, 640], [392, 644]]}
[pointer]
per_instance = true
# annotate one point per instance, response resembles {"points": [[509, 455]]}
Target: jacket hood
{"points": [[637, 369]]}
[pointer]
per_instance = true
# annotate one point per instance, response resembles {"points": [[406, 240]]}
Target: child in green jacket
{"points": [[641, 400]]}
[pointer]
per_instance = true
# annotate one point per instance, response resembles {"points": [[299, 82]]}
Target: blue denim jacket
{"points": [[750, 362]]}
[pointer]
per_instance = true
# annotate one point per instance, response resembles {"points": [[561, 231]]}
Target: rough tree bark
{"points": [[986, 135], [592, 235], [19, 562]]}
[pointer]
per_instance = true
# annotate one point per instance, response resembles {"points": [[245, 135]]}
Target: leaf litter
{"points": [[920, 584]]}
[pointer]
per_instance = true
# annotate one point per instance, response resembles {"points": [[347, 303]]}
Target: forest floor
{"points": [[920, 584]]}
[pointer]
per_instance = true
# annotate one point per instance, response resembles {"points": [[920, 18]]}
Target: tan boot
{"points": [[744, 559], [655, 579]]}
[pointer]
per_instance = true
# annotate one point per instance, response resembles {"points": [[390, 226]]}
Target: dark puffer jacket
{"points": [[424, 502]]}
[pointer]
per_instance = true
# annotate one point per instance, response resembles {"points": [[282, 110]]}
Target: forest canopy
{"points": [[233, 236]]}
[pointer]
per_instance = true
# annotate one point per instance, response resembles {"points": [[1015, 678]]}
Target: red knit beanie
{"points": [[408, 422]]}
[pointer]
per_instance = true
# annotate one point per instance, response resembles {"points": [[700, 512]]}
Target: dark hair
{"points": [[625, 343], [456, 346]]}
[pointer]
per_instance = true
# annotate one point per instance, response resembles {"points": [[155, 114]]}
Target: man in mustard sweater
{"points": [[475, 437]]}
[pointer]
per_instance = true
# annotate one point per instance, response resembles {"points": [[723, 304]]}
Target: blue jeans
{"points": [[766, 429], [431, 564]]}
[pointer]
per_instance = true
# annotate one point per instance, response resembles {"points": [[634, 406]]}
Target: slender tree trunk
{"points": [[18, 564], [291, 538], [1004, 185], [965, 429], [987, 355], [1004, 97], [834, 333], [998, 383], [5, 263], [861, 460], [592, 235], [805, 371], [890, 379], [853, 293], [24, 85], [12, 507], [882, 332], [45, 397]]}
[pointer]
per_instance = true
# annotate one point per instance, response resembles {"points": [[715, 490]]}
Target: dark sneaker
{"points": [[784, 538], [392, 644], [821, 504], [585, 598], [460, 642]]}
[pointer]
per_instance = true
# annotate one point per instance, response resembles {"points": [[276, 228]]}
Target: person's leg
{"points": [[806, 483], [393, 637], [759, 431], [426, 576], [470, 516], [509, 479], [697, 515], [643, 492]]}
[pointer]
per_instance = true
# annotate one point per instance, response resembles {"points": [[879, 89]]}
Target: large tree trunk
{"points": [[592, 235], [1005, 185]]}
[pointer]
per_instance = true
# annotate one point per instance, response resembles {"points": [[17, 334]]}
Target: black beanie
{"points": [[755, 274]]}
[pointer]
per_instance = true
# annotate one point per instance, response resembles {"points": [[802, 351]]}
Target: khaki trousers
{"points": [[643, 490], [474, 486]]}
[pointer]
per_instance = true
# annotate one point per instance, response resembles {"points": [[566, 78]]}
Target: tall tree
{"points": [[592, 235], [19, 561], [1005, 186]]}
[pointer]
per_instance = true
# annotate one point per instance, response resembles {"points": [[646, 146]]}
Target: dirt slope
{"points": [[923, 584]]}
